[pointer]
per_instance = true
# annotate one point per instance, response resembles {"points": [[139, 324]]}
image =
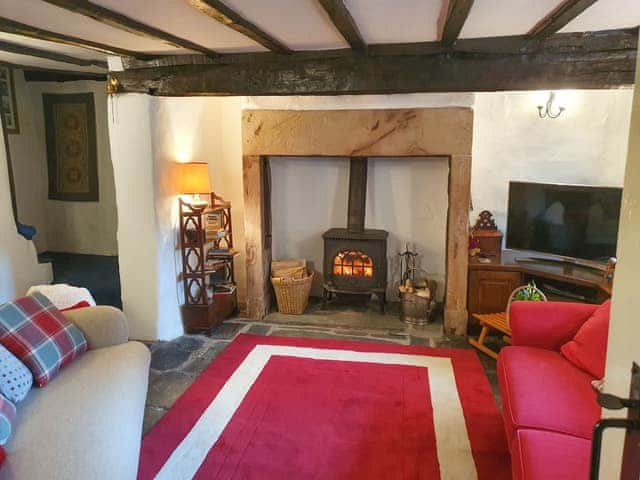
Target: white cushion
{"points": [[63, 295]]}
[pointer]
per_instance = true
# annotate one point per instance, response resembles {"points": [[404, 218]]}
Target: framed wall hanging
{"points": [[72, 159]]}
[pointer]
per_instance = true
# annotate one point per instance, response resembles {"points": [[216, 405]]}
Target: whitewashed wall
{"points": [[586, 145], [624, 328], [19, 267], [75, 227], [146, 255]]}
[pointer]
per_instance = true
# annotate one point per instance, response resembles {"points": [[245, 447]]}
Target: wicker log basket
{"points": [[292, 284]]}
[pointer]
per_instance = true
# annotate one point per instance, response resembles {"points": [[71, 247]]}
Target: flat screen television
{"points": [[567, 220]]}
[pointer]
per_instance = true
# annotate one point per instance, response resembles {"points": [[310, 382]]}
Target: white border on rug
{"points": [[452, 440]]}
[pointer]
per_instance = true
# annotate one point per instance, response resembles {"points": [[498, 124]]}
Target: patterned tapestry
{"points": [[71, 147]]}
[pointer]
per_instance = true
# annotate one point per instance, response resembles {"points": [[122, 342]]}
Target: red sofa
{"points": [[549, 404]]}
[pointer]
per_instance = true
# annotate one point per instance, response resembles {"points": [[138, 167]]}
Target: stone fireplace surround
{"points": [[429, 132]]}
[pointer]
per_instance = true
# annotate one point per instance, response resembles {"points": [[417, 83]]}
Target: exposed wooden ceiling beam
{"points": [[39, 74], [559, 17], [17, 28], [458, 11], [594, 60], [16, 48], [608, 40], [128, 24], [344, 22], [228, 17], [42, 75]]}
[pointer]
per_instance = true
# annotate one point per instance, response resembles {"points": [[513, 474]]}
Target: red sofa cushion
{"points": [[540, 455], [541, 390], [587, 350], [547, 325]]}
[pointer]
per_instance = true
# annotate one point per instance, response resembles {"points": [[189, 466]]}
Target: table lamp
{"points": [[193, 179]]}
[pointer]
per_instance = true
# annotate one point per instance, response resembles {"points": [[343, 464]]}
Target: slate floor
{"points": [[176, 364]]}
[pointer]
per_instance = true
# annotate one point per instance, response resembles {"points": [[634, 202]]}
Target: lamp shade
{"points": [[193, 178]]}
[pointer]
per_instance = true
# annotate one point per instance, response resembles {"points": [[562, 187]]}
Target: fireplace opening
{"points": [[326, 209], [353, 263]]}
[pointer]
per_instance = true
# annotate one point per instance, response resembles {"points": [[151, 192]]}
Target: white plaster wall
{"points": [[19, 267], [307, 198], [586, 145], [29, 165], [408, 197], [147, 273], [624, 328], [76, 227], [204, 130]]}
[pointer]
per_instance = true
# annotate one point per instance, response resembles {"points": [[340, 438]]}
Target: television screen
{"points": [[573, 221]]}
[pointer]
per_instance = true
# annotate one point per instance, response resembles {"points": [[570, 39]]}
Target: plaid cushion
{"points": [[38, 334], [7, 417]]}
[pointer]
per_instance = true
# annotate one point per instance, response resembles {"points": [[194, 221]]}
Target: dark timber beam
{"points": [[559, 17], [228, 17], [457, 14], [37, 75], [49, 55], [17, 28], [592, 60], [344, 22], [118, 20]]}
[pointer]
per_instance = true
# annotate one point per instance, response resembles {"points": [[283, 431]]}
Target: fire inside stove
{"points": [[352, 263]]}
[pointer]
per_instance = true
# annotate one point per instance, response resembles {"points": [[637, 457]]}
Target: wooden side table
{"points": [[488, 321]]}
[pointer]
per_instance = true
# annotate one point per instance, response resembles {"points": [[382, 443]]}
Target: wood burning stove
{"points": [[355, 258]]}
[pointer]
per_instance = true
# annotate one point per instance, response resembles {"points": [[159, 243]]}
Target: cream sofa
{"points": [[87, 423]]}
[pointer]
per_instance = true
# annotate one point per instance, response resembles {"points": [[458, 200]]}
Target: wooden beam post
{"points": [[258, 252], [458, 11], [228, 17], [49, 55], [122, 22], [559, 17], [344, 22], [17, 28], [456, 314]]}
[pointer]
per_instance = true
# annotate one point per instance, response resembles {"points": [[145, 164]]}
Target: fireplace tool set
{"points": [[417, 292]]}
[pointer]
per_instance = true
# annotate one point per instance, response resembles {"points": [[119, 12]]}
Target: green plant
{"points": [[529, 293]]}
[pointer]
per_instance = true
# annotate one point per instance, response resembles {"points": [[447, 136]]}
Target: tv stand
{"points": [[563, 261], [491, 281]]}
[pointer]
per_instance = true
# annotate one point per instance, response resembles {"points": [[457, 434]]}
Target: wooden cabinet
{"points": [[491, 284], [489, 290]]}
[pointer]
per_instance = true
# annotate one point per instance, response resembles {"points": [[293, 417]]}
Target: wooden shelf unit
{"points": [[206, 305], [491, 284]]}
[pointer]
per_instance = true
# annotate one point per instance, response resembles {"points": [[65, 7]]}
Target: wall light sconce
{"points": [[549, 110]]}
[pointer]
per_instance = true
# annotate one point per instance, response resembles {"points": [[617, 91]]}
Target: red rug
{"points": [[289, 408]]}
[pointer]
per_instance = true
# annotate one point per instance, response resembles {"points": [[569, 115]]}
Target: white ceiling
{"points": [[299, 24]]}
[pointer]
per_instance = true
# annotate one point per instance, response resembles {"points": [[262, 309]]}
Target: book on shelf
{"points": [[212, 252], [220, 289]]}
